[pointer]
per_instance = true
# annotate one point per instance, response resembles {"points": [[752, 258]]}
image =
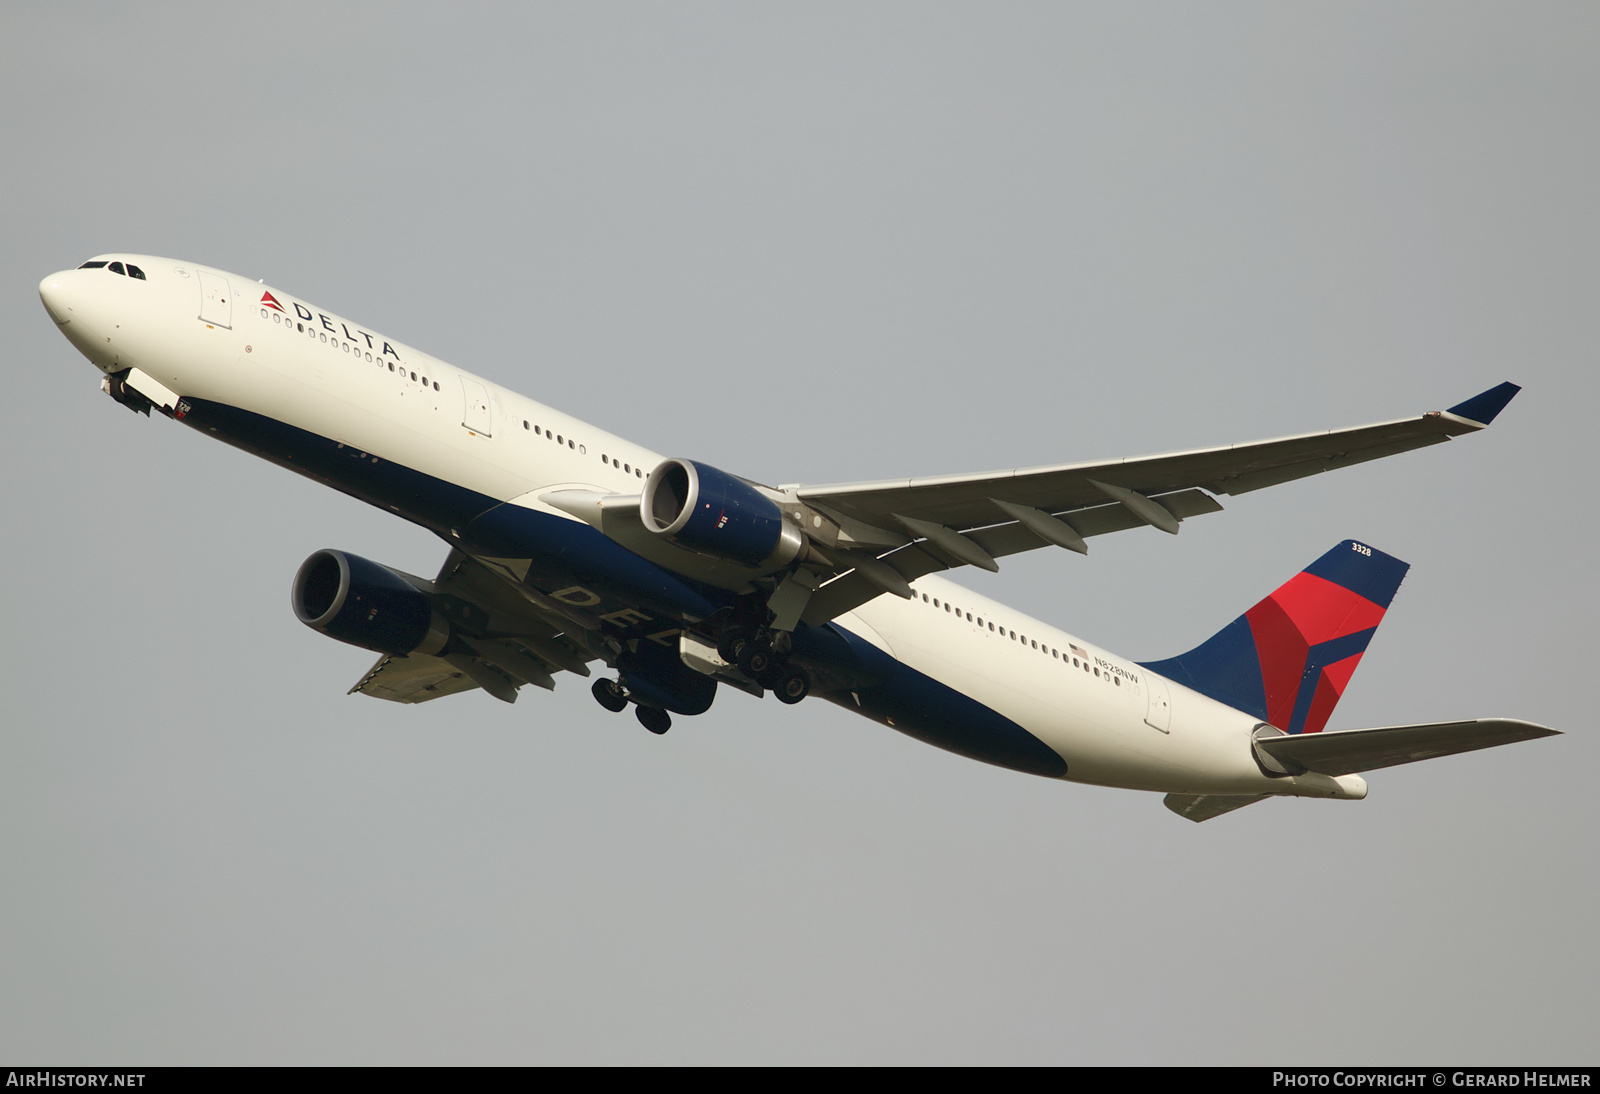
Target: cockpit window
{"points": [[116, 268]]}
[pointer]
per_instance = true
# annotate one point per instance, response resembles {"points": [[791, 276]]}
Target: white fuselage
{"points": [[208, 335]]}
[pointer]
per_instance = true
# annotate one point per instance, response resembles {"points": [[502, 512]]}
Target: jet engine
{"points": [[360, 602], [698, 507]]}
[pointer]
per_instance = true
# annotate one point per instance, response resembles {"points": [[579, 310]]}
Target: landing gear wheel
{"points": [[754, 661], [755, 658], [654, 719], [609, 694], [731, 643], [793, 685]]}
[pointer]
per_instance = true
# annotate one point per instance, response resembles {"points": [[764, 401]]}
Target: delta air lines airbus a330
{"points": [[571, 546]]}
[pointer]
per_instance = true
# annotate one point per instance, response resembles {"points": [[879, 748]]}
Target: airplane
{"points": [[570, 546]]}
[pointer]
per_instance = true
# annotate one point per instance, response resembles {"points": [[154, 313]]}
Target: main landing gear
{"points": [[763, 655], [611, 695], [654, 719]]}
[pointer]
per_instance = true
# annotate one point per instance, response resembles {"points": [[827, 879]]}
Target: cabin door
{"points": [[477, 417], [216, 301], [1159, 712]]}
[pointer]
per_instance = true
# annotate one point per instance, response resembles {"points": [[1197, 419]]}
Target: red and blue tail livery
{"points": [[1287, 660]]}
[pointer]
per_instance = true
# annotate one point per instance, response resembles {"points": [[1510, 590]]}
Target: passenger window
{"points": [[116, 268]]}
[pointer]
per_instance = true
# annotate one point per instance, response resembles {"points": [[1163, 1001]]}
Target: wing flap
{"points": [[1356, 750], [914, 560], [412, 679], [509, 642]]}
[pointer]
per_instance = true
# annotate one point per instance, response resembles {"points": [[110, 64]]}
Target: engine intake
{"points": [[696, 506], [360, 602]]}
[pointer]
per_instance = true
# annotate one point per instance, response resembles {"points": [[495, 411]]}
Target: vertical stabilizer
{"points": [[1287, 660]]}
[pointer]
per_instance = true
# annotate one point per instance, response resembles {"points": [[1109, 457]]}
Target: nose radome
{"points": [[52, 290]]}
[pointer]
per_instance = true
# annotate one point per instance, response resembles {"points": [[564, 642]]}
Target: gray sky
{"points": [[810, 242]]}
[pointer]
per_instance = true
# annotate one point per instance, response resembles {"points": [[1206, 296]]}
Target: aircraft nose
{"points": [[55, 295]]}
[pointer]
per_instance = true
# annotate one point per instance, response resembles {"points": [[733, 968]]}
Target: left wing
{"points": [[819, 551], [936, 523]]}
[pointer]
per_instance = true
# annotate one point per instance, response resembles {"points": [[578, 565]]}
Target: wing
{"points": [[931, 524], [504, 641]]}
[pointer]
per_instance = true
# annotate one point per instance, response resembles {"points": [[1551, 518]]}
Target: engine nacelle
{"points": [[360, 602], [696, 506]]}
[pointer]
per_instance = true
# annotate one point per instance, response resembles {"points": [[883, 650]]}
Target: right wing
{"points": [[505, 641]]}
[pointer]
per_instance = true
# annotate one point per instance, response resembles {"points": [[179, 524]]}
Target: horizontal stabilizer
{"points": [[1369, 749], [1202, 807]]}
